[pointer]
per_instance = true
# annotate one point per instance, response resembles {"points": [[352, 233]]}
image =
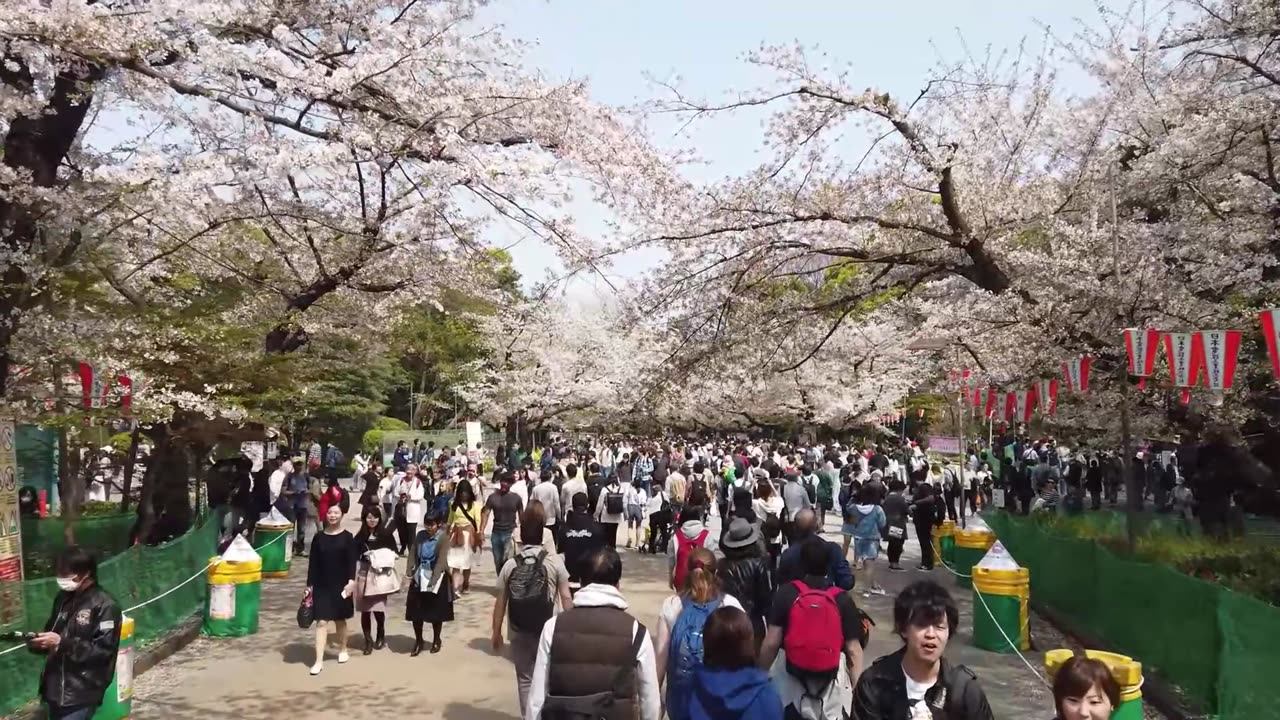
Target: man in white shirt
{"points": [[572, 485], [275, 483], [546, 493]]}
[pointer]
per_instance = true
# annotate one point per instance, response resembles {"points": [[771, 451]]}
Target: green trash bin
{"points": [[1126, 671], [274, 546], [1001, 600], [117, 703], [945, 537], [970, 547], [235, 596]]}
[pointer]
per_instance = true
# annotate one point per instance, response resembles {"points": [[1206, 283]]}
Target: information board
{"points": [[12, 611]]}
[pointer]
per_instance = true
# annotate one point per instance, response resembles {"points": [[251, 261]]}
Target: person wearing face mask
{"points": [[1084, 689], [917, 682], [80, 640]]}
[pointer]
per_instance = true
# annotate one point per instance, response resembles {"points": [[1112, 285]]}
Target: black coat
{"points": [[80, 669], [581, 536], [881, 693], [746, 577]]}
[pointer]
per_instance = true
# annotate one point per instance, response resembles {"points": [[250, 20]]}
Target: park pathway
{"points": [[265, 676]]}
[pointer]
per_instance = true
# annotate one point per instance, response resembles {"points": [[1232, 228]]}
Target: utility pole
{"points": [[960, 437], [1133, 495]]}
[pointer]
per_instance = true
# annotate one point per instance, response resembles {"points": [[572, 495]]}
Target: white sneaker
{"points": [[315, 669], [343, 657]]}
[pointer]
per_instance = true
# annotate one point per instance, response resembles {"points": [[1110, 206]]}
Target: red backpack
{"points": [[685, 546], [813, 641]]}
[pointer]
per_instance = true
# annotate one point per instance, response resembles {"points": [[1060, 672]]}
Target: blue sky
{"points": [[620, 46]]}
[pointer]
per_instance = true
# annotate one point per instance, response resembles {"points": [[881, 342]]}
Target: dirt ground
{"points": [[266, 675]]}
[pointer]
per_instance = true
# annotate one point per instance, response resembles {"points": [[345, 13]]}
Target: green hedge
{"points": [[1213, 643], [132, 577], [43, 538]]}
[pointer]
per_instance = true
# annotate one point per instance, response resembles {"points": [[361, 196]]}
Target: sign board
{"points": [[474, 435], [944, 445], [12, 612]]}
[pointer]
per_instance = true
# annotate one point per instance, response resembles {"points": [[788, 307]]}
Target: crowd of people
{"points": [[761, 621]]}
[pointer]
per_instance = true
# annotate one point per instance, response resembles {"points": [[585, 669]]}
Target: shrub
{"points": [[1249, 568], [372, 440]]}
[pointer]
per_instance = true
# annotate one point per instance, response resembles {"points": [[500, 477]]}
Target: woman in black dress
{"points": [[331, 583], [428, 572]]}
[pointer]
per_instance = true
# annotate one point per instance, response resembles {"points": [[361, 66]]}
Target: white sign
{"points": [[944, 445], [222, 602], [474, 433], [124, 674]]}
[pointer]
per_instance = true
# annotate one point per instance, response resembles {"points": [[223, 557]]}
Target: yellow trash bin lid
{"points": [[1126, 670]]}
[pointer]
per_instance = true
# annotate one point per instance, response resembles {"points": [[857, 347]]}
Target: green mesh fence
{"points": [[133, 577], [1213, 643], [1246, 676], [44, 538]]}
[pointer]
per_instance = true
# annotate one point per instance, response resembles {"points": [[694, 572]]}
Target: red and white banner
{"points": [[1219, 350], [1271, 330], [1047, 396], [1183, 352], [92, 388], [1141, 344], [1024, 401], [995, 403], [1076, 372], [126, 393]]}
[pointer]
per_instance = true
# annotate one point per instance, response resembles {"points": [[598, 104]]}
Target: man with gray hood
{"points": [[595, 659], [692, 533]]}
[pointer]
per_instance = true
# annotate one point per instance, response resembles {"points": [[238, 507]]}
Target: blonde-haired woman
{"points": [[679, 638]]}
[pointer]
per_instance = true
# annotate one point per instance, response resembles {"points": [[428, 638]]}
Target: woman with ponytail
{"points": [[679, 637]]}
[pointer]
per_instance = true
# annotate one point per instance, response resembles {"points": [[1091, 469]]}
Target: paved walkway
{"points": [[265, 676]]}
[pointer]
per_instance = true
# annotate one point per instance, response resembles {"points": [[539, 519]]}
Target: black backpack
{"points": [[613, 503], [594, 486], [529, 606]]}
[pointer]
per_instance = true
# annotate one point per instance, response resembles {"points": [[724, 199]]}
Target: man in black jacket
{"points": [[916, 681], [580, 538], [80, 640]]}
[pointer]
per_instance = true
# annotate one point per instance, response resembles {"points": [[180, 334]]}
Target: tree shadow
{"points": [[466, 711]]}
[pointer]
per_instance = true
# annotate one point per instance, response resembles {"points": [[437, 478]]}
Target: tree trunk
{"points": [[72, 489], [127, 484]]}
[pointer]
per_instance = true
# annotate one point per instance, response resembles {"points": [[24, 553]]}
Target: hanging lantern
{"points": [[1076, 372], [920, 413], [1047, 396], [1219, 351], [1140, 344], [1184, 354]]}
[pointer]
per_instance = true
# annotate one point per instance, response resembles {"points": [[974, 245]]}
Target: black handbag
{"points": [[306, 612]]}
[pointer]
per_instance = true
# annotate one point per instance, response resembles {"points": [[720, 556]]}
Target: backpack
{"points": [[594, 486], [772, 526], [613, 503], [685, 657], [684, 546], [529, 606], [810, 490], [813, 641]]}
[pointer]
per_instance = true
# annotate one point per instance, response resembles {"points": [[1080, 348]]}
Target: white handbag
{"points": [[382, 578]]}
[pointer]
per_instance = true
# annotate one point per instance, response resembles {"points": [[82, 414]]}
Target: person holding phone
{"points": [[80, 640]]}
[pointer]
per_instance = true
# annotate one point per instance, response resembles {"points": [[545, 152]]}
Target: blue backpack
{"points": [[685, 656]]}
